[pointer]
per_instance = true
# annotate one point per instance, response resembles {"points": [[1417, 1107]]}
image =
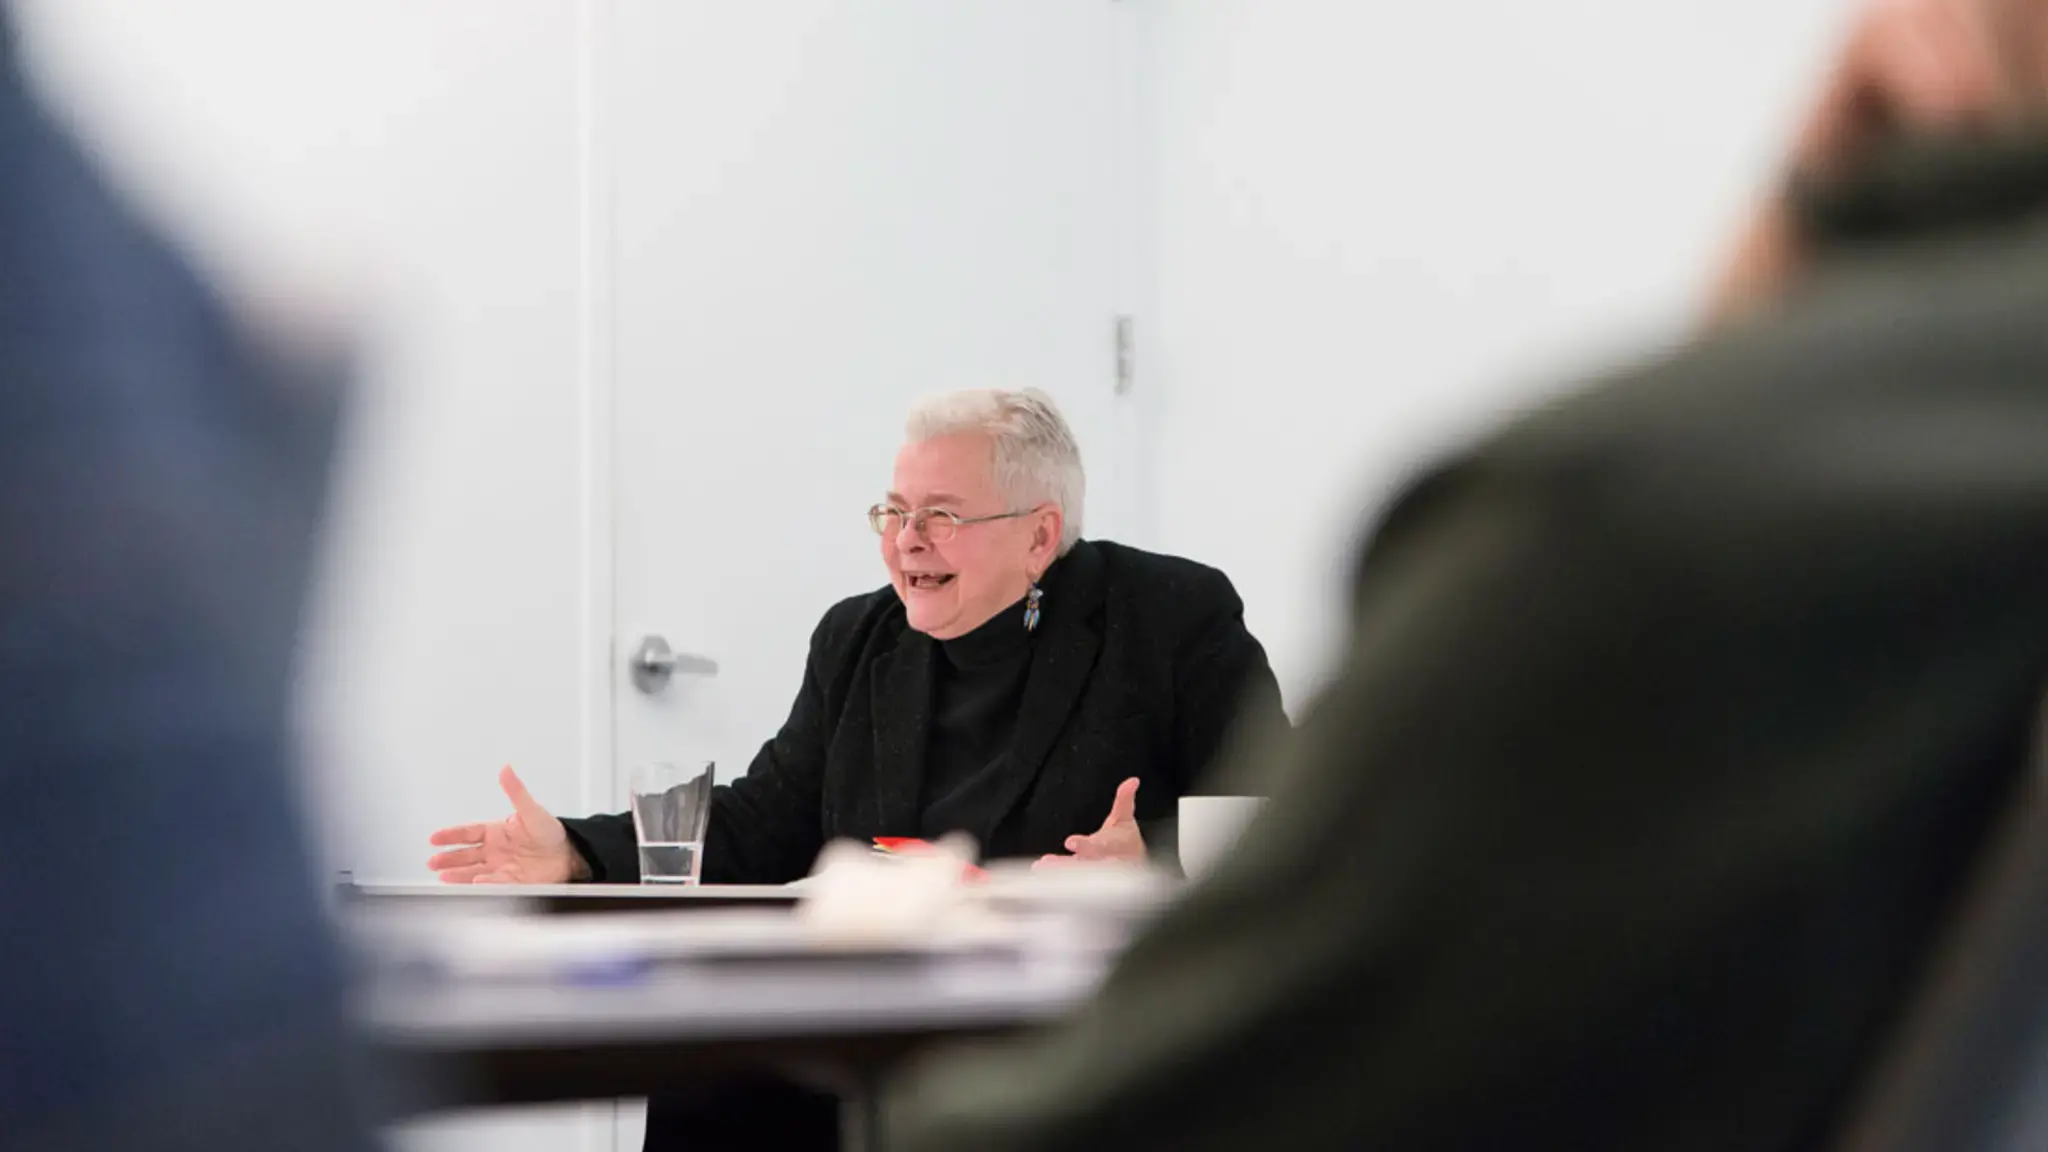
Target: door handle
{"points": [[653, 663]]}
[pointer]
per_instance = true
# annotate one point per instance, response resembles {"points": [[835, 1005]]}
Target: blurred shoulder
{"points": [[1912, 331], [1903, 378]]}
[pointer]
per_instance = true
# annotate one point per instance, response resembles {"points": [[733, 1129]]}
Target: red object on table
{"points": [[904, 845]]}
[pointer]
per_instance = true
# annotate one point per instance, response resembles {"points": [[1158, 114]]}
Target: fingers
{"points": [[1120, 825], [523, 802], [464, 875], [1096, 847], [1939, 67], [460, 858], [1906, 66], [1095, 850], [1122, 842], [1124, 809], [1910, 64], [505, 875], [460, 834]]}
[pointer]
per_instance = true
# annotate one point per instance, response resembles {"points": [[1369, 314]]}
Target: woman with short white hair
{"points": [[1049, 695]]}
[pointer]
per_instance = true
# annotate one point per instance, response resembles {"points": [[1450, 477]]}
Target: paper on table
{"points": [[856, 896], [1109, 888]]}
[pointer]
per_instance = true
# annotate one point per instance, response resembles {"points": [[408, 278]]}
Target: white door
{"points": [[820, 212]]}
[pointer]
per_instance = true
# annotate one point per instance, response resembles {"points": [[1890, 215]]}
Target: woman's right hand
{"points": [[528, 847]]}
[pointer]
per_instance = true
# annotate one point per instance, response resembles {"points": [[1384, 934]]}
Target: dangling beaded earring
{"points": [[1031, 613]]}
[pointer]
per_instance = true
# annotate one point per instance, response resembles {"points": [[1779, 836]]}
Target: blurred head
{"points": [[986, 495]]}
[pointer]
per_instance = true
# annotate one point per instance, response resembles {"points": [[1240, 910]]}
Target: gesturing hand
{"points": [[1117, 839], [528, 847]]}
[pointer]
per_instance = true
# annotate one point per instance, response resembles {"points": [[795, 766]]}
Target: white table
{"points": [[573, 898], [840, 1020]]}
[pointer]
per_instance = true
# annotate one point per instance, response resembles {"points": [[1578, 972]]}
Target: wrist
{"points": [[1763, 263]]}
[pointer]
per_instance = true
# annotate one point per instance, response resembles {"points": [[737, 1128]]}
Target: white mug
{"points": [[1210, 826]]}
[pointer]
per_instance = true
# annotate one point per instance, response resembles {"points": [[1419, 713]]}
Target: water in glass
{"points": [[671, 809]]}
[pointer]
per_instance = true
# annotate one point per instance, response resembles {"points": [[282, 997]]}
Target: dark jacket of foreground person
{"points": [[1671, 722]]}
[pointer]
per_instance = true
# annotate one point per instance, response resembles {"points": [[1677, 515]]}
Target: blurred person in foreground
{"points": [[1673, 718], [167, 977], [1052, 696]]}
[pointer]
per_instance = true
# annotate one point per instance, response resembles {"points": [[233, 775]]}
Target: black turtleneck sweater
{"points": [[978, 682]]}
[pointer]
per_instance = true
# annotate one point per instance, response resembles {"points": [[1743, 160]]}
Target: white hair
{"points": [[1037, 460]]}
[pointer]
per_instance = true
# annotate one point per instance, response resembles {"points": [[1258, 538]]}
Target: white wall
{"points": [[1381, 226]]}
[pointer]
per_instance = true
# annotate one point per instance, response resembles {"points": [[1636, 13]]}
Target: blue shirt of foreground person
{"points": [[162, 987], [1053, 697]]}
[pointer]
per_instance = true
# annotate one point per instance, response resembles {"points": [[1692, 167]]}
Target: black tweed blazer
{"points": [[1141, 665]]}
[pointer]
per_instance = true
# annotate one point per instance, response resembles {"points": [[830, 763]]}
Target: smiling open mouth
{"points": [[928, 581]]}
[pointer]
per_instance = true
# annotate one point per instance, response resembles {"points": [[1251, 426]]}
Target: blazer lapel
{"points": [[1062, 657], [902, 713]]}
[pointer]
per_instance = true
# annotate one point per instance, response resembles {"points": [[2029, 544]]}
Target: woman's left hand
{"points": [[1117, 839]]}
